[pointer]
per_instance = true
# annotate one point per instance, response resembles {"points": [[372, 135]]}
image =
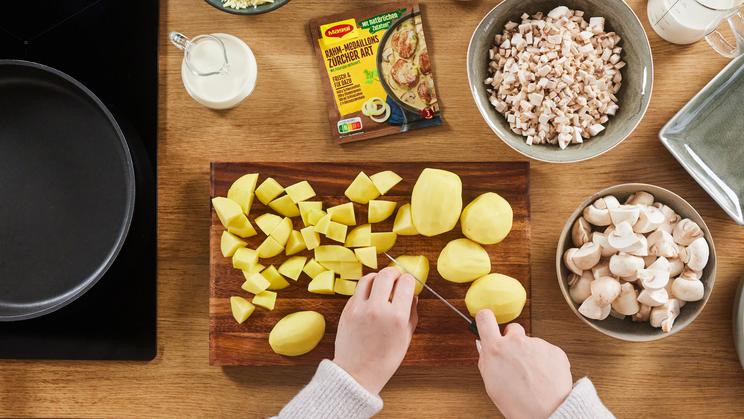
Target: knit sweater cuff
{"points": [[582, 403], [332, 393]]}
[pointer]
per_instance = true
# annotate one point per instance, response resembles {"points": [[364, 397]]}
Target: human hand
{"points": [[376, 327], [525, 377]]}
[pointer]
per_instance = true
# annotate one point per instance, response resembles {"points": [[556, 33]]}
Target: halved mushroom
{"points": [[601, 269], [642, 247], [640, 198], [581, 232], [568, 261], [696, 255], [626, 303], [688, 289], [623, 238], [653, 279], [676, 266], [686, 232], [671, 218], [587, 256], [625, 214], [661, 243], [605, 290], [653, 298], [650, 219], [598, 213], [591, 309], [601, 240], [644, 312], [579, 287], [664, 315], [625, 265]]}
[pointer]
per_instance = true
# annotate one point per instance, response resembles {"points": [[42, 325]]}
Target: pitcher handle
{"points": [[721, 44]]}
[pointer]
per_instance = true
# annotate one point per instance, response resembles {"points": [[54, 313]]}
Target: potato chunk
{"points": [[362, 189], [300, 191], [292, 267], [344, 287], [343, 214], [504, 295], [256, 284], [417, 266], [334, 253], [322, 225], [383, 241], [487, 219], [295, 244], [346, 270], [322, 283], [285, 206], [228, 211], [463, 260], [229, 243], [241, 308], [311, 238], [269, 248], [241, 191], [268, 190], [282, 231], [384, 181], [336, 232], [244, 258], [268, 222], [379, 211], [276, 281], [367, 255], [436, 202], [297, 333], [361, 236], [307, 206], [242, 227], [403, 225], [266, 299], [313, 268]]}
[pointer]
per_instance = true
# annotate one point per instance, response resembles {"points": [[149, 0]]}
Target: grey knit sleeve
{"points": [[582, 403], [332, 393]]}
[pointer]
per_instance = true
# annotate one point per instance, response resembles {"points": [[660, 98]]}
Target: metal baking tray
{"points": [[707, 138]]}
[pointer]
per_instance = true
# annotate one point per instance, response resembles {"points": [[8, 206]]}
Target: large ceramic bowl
{"points": [[626, 329], [634, 95]]}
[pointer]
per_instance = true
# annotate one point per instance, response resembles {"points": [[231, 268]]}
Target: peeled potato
{"points": [[384, 181], [504, 295], [403, 225], [241, 308], [241, 191], [436, 202], [487, 220], [418, 266], [380, 210], [228, 211], [463, 260], [362, 189], [297, 333]]}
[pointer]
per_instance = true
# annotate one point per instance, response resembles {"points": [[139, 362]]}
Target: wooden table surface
{"points": [[694, 373]]}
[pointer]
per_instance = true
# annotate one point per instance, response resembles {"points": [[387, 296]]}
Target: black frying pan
{"points": [[67, 189]]}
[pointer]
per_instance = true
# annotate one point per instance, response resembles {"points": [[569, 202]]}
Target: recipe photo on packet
{"points": [[376, 71]]}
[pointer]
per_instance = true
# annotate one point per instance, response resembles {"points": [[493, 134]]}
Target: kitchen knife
{"points": [[471, 323]]}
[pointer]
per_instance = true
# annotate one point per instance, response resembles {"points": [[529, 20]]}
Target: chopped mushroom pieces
{"points": [[554, 77]]}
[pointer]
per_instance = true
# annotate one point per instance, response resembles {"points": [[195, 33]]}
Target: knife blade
{"points": [[471, 323]]}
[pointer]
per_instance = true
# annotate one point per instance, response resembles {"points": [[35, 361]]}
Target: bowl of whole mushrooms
{"points": [[636, 262]]}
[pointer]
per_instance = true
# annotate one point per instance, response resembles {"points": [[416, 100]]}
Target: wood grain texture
{"points": [[693, 374], [441, 338]]}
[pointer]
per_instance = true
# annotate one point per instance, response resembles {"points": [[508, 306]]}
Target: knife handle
{"points": [[474, 329]]}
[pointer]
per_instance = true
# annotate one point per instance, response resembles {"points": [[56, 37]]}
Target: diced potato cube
{"points": [[403, 224], [313, 268], [343, 214], [322, 283], [344, 287], [282, 231], [322, 225], [295, 244], [384, 181], [311, 238], [244, 258], [241, 308], [268, 222], [314, 216], [229, 243], [268, 190], [276, 281], [256, 284], [384, 241], [266, 299], [227, 210], [417, 266], [336, 231], [305, 207], [269, 248], [347, 270], [362, 190], [300, 191], [242, 227], [367, 255], [360, 236], [380, 210], [241, 191], [334, 253], [285, 206], [292, 267], [253, 269]]}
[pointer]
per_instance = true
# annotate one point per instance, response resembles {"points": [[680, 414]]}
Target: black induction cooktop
{"points": [[111, 47]]}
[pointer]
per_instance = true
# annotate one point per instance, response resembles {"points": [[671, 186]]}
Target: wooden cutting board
{"points": [[441, 336]]}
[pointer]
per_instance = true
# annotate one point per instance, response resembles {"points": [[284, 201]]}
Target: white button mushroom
{"points": [[625, 214], [650, 219], [661, 243], [688, 289], [671, 218], [601, 240], [686, 231], [601, 269], [587, 256], [579, 287], [599, 212], [663, 316], [653, 279], [581, 232], [690, 274], [591, 309], [642, 248], [625, 265], [623, 238], [696, 254], [653, 298], [605, 290], [676, 266], [626, 303], [640, 198], [568, 261]]}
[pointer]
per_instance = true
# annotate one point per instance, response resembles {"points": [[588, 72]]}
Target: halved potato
{"points": [[344, 286], [227, 210], [313, 268], [380, 210], [241, 308], [241, 191], [383, 241], [269, 248], [343, 214], [266, 299], [295, 244], [229, 243], [292, 267], [384, 181], [256, 283], [285, 206], [436, 202], [463, 260], [297, 333], [504, 295], [487, 219], [361, 236], [367, 255], [403, 225], [362, 189], [300, 191], [311, 238], [417, 266], [268, 190], [334, 253], [322, 283], [276, 281], [268, 222], [242, 227], [244, 258]]}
